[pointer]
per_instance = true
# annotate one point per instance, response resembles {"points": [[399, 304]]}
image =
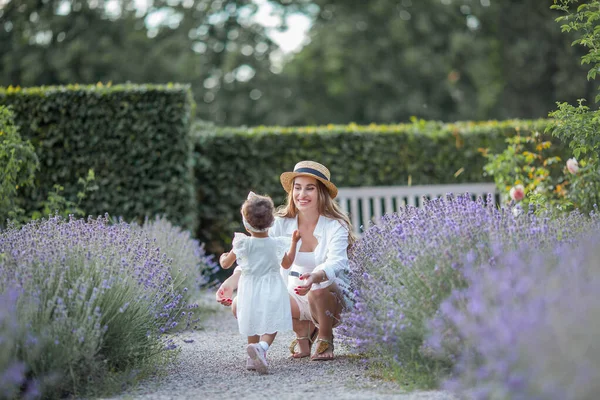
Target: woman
{"points": [[318, 279]]}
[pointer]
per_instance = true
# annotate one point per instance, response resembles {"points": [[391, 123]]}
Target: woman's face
{"points": [[305, 193]]}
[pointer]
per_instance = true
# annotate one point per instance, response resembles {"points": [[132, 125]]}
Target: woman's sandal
{"points": [[322, 346], [310, 339]]}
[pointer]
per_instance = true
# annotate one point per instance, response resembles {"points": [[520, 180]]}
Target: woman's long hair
{"points": [[327, 207]]}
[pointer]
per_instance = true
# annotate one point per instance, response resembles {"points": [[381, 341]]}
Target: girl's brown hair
{"points": [[258, 211], [327, 207]]}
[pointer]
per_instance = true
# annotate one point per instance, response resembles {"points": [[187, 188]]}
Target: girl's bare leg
{"points": [[267, 337]]}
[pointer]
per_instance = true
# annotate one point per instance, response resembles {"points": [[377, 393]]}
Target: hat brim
{"points": [[287, 180]]}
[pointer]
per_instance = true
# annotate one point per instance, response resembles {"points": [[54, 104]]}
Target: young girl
{"points": [[264, 305]]}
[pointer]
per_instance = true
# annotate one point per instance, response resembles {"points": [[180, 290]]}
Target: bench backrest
{"points": [[368, 204]]}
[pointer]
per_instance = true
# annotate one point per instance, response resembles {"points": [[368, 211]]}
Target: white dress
{"points": [[263, 303]]}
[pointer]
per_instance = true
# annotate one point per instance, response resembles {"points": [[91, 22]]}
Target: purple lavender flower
{"points": [[91, 293], [525, 327], [414, 259]]}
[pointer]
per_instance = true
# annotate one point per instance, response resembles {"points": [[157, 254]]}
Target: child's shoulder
{"points": [[239, 238]]}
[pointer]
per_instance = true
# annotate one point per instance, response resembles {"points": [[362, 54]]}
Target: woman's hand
{"points": [[302, 290], [224, 294]]}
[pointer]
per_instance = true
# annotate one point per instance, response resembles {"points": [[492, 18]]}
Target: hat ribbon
{"points": [[312, 171]]}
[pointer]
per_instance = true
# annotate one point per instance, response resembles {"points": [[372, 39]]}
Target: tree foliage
{"points": [[381, 61], [550, 181], [214, 45], [366, 61], [18, 164]]}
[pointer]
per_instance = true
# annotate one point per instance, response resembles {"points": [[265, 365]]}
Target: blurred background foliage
{"points": [[362, 61]]}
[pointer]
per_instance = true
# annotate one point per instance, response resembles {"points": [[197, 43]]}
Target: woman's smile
{"points": [[305, 192]]}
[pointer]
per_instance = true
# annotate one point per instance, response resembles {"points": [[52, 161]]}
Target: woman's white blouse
{"points": [[331, 253]]}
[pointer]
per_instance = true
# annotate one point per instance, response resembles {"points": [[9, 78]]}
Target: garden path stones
{"points": [[212, 366]]}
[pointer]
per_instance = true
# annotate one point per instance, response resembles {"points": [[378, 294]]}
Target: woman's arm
{"points": [[224, 294], [336, 261], [337, 255]]}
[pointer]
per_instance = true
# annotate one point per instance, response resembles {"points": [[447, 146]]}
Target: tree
{"points": [[536, 62], [367, 61], [580, 125], [385, 61], [213, 44]]}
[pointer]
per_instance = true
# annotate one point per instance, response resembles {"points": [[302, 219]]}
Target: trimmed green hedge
{"points": [[232, 161], [134, 137]]}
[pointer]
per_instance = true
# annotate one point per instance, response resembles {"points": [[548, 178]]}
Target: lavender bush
{"points": [[405, 267], [527, 326], [191, 267], [12, 370], [89, 299]]}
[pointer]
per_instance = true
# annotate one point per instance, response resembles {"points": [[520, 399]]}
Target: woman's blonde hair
{"points": [[327, 207]]}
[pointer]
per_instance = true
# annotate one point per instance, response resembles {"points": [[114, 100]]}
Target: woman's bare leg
{"points": [[326, 308], [234, 307], [302, 329]]}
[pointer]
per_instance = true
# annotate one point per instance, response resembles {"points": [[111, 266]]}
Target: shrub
{"points": [[421, 152], [191, 267], [533, 162], [12, 370], [96, 300], [403, 268], [579, 127], [134, 137], [18, 163], [526, 327]]}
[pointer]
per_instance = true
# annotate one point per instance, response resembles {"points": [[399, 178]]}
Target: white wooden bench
{"points": [[368, 204]]}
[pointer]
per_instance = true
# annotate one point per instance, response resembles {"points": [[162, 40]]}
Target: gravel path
{"points": [[213, 367]]}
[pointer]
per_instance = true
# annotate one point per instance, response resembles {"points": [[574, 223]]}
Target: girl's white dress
{"points": [[263, 303]]}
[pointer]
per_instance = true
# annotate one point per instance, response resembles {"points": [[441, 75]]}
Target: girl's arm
{"points": [[226, 260], [288, 258]]}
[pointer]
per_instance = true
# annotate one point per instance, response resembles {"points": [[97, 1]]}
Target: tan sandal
{"points": [[322, 346], [310, 339]]}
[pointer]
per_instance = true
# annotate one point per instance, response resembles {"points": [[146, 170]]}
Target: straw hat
{"points": [[312, 169]]}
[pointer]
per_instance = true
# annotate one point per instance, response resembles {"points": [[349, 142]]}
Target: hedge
{"points": [[232, 161], [134, 137]]}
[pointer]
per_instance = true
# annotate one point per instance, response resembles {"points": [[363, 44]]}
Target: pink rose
{"points": [[517, 192], [572, 166]]}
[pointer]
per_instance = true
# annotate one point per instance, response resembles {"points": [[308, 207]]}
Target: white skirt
{"points": [[302, 301], [263, 304]]}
